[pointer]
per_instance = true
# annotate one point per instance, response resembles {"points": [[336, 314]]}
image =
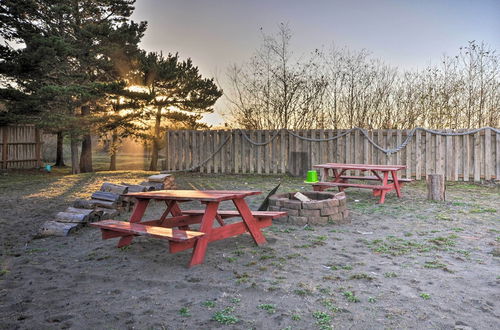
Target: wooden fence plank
{"points": [[497, 154], [456, 156], [487, 154], [429, 165], [408, 155], [449, 163], [283, 151], [466, 158], [399, 136], [418, 155], [477, 157]]}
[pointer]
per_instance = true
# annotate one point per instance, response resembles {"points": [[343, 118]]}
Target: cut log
{"points": [[159, 178], [107, 214], [114, 188], [153, 185], [106, 196], [54, 228], [435, 187], [135, 187], [93, 214], [84, 204], [93, 203], [72, 217]]}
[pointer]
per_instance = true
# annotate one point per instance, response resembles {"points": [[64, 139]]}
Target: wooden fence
{"points": [[20, 146], [468, 157]]}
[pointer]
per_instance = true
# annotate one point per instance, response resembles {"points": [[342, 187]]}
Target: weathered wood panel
{"points": [[20, 146]]}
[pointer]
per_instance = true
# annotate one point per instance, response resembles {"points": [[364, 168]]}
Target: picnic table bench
{"points": [[386, 175], [174, 224]]}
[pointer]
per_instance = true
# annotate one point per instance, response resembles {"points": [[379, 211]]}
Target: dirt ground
{"points": [[408, 263]]}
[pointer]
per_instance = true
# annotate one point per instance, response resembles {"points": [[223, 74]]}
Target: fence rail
{"points": [[20, 146], [471, 157]]}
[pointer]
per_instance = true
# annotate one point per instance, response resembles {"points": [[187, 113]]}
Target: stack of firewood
{"points": [[103, 204]]}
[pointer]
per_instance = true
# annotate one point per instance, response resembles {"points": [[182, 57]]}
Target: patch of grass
{"points": [[398, 246], [184, 312], [225, 316], [435, 264], [323, 320], [425, 296], [208, 304], [350, 296], [329, 303], [441, 216], [235, 300], [390, 274], [457, 229], [4, 272], [31, 251], [372, 300], [296, 317], [483, 210], [443, 241], [361, 276], [269, 308], [302, 292], [242, 278]]}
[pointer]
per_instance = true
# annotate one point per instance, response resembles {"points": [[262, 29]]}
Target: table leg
{"points": [[137, 214], [396, 183], [384, 191], [249, 220], [200, 247], [324, 175], [174, 209]]}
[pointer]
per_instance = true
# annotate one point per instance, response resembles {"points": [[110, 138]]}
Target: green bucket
{"points": [[312, 177]]}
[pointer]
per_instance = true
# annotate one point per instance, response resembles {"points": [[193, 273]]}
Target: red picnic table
{"points": [[174, 223], [380, 173]]}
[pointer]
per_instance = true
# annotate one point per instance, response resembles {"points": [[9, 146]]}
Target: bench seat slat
{"points": [[353, 185], [232, 213], [353, 177], [175, 235]]}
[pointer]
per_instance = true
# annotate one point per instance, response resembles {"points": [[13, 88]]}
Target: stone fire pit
{"points": [[324, 208]]}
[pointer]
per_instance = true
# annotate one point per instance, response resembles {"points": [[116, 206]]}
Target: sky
{"points": [[409, 34]]}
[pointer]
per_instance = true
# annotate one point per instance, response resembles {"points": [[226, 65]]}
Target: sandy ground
{"points": [[408, 264]]}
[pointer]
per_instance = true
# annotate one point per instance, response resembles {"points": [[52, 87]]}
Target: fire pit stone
{"points": [[324, 208]]}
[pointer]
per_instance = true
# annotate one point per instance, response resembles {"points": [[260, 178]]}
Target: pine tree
{"points": [[65, 56], [176, 90]]}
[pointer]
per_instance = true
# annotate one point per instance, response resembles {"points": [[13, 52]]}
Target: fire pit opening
{"points": [[324, 208]]}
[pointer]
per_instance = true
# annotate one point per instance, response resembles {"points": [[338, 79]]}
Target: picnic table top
{"points": [[390, 167], [201, 195]]}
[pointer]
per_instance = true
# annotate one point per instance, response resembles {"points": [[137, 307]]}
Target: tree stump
{"points": [[435, 187]]}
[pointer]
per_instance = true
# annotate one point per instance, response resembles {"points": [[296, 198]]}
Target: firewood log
{"points": [[54, 228]]}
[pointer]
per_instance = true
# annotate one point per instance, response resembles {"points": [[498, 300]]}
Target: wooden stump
{"points": [[435, 187]]}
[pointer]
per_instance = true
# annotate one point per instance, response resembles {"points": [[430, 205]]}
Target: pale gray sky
{"points": [[404, 33]]}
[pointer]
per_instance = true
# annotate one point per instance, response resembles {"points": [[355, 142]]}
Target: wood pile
{"points": [[104, 204]]}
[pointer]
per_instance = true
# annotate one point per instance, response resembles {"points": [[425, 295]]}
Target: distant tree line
{"points": [[340, 88], [74, 68]]}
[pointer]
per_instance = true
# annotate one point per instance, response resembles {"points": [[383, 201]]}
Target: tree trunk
{"points": [[435, 187], [156, 142], [59, 150], [86, 155], [75, 167], [112, 151]]}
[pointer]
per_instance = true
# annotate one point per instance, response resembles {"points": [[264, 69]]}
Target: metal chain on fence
{"points": [[387, 151]]}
